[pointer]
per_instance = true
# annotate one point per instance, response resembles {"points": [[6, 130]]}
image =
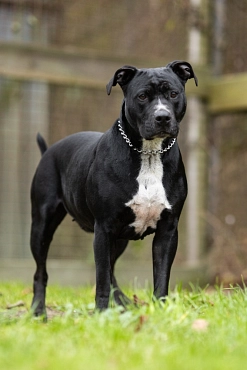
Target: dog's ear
{"points": [[183, 70], [122, 76]]}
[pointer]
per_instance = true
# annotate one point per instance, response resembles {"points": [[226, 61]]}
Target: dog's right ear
{"points": [[122, 76]]}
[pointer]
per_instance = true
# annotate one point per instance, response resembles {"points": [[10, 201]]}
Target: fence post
{"points": [[196, 118]]}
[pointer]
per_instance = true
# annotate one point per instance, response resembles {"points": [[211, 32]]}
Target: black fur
{"points": [[92, 176]]}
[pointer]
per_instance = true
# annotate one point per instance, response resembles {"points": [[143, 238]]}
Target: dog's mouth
{"points": [[165, 134], [161, 135], [149, 131]]}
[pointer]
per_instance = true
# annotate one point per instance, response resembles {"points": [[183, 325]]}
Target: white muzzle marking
{"points": [[158, 107]]}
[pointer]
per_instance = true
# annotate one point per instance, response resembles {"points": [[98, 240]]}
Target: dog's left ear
{"points": [[183, 70], [122, 76]]}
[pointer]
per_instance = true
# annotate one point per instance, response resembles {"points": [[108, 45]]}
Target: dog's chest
{"points": [[150, 199]]}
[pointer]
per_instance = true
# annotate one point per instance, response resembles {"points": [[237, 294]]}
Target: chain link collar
{"points": [[150, 152]]}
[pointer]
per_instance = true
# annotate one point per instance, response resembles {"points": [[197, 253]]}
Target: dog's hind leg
{"points": [[119, 297], [45, 220]]}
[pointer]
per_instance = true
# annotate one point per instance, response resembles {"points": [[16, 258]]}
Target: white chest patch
{"points": [[150, 199]]}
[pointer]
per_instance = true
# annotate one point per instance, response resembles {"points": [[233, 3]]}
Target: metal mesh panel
{"points": [[125, 27], [235, 46], [106, 26], [227, 216], [228, 255]]}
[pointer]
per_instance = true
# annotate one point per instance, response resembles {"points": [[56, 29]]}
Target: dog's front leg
{"points": [[102, 247], [164, 250]]}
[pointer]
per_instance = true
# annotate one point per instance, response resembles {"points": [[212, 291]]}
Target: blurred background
{"points": [[55, 60]]}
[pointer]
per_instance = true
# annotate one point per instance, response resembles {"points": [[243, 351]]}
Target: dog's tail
{"points": [[41, 143]]}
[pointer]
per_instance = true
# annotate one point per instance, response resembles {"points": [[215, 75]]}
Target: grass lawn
{"points": [[197, 329]]}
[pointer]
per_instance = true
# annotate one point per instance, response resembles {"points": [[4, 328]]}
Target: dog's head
{"points": [[154, 98]]}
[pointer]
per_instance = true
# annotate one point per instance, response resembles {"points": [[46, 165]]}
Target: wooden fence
{"points": [[90, 71]]}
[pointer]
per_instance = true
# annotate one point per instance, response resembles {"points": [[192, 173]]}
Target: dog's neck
{"points": [[152, 145], [130, 131]]}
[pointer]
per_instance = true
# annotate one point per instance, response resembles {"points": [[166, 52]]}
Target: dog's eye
{"points": [[142, 97], [173, 94]]}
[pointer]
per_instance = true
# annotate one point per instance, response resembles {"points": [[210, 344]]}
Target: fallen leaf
{"points": [[142, 320], [200, 325], [27, 291], [17, 304], [138, 301]]}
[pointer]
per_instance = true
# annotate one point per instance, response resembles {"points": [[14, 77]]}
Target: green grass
{"points": [[150, 336]]}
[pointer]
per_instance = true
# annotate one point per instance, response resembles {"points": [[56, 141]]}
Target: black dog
{"points": [[122, 185]]}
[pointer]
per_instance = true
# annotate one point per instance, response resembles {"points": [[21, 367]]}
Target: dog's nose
{"points": [[162, 117]]}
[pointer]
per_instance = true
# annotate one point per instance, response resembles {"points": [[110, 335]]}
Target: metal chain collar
{"points": [[150, 152]]}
